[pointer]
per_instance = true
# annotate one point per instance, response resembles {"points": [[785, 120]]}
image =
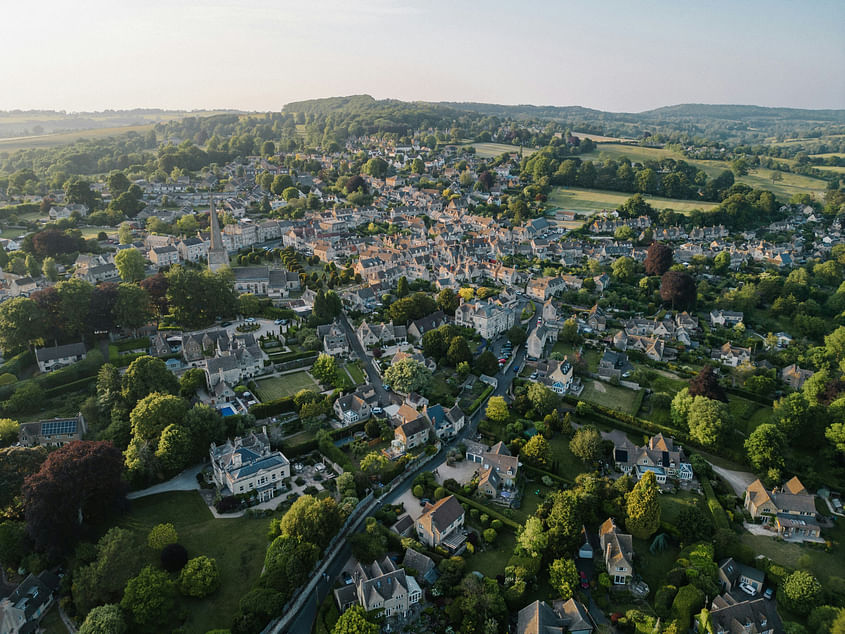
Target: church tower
{"points": [[218, 257]]}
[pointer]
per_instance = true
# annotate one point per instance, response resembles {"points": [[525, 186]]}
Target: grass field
{"points": [[748, 415], [598, 138], [832, 168], [564, 462], [285, 385], [592, 200], [619, 398], [672, 505], [238, 545], [492, 562], [591, 356], [65, 138], [489, 150], [356, 373]]}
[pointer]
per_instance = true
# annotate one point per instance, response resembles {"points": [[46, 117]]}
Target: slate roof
{"points": [[60, 352]]}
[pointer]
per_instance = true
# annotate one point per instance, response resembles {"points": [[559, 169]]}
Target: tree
{"points": [[800, 592], [161, 535], [722, 262], [569, 332], [536, 451], [124, 233], [288, 563], [150, 599], [694, 524], [374, 463], [707, 420], [706, 383], [623, 268], [376, 167], [132, 306], [658, 258], [16, 463], [486, 363], [118, 558], [104, 619], [155, 412], [19, 324], [643, 508], [448, 301], [173, 557], [9, 430], [459, 351], [497, 409], [130, 265], [118, 183], [586, 445], [191, 381], [402, 288], [765, 447], [407, 375], [532, 539], [49, 269], [200, 577], [354, 621], [78, 483], [174, 449], [146, 375], [205, 426], [78, 191], [196, 298], [517, 336], [680, 407], [542, 399], [75, 302], [325, 369], [563, 577], [255, 610], [313, 520], [678, 289]]}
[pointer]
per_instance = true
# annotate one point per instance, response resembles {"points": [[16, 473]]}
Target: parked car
{"points": [[249, 320], [377, 410], [748, 589], [585, 583], [533, 376], [769, 594]]}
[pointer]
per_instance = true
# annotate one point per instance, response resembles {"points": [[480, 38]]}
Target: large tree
{"points": [[586, 445], [16, 463], [765, 447], [146, 375], [150, 599], [658, 259], [448, 301], [132, 308], [497, 409], [563, 577], [102, 581], [311, 519], [155, 412], [288, 563], [20, 321], [643, 508], [325, 369], [354, 621], [130, 265], [800, 592], [407, 375], [543, 400], [196, 298], [536, 451], [78, 484], [532, 539], [706, 383], [200, 577], [707, 420], [678, 289], [104, 619]]}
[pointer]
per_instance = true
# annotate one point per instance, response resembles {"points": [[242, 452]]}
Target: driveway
{"points": [[185, 481], [461, 472], [738, 480], [372, 376]]}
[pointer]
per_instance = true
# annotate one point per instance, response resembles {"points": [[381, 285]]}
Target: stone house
{"points": [[441, 524], [617, 551], [248, 464]]}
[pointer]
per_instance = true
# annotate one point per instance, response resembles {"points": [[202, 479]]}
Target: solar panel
{"points": [[55, 427]]}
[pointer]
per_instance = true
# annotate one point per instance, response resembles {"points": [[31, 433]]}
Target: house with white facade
{"points": [[248, 464]]}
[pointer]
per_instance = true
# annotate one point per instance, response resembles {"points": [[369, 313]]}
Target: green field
{"points": [[285, 385], [356, 373], [592, 200], [748, 415], [619, 398], [489, 150], [831, 168], [238, 545], [591, 355], [564, 462], [672, 505], [66, 138]]}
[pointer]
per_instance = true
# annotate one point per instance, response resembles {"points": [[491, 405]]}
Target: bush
{"points": [[489, 535], [161, 535], [228, 504], [497, 524], [199, 577], [688, 602], [174, 557]]}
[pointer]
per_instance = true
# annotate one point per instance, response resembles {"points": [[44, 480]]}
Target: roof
{"points": [[733, 570], [538, 618], [413, 427], [60, 352], [734, 617], [443, 512]]}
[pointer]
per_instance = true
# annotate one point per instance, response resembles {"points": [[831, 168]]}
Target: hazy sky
{"points": [[260, 54]]}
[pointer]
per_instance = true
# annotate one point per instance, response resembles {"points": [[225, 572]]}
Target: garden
{"points": [[275, 387]]}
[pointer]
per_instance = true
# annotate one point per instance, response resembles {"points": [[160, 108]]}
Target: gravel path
{"points": [[739, 480]]}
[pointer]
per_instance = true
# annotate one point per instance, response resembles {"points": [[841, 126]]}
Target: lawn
{"points": [[563, 461], [619, 398], [748, 415], [490, 150], [653, 567], [822, 564], [356, 373], [285, 385], [492, 561], [591, 200], [238, 545], [52, 622], [591, 355], [672, 505]]}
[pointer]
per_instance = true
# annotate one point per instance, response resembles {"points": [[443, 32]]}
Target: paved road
{"points": [[372, 375], [739, 480], [308, 613]]}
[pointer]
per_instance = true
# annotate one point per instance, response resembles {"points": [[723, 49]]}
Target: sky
{"points": [[261, 54]]}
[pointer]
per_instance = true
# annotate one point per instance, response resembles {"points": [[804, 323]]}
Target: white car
{"points": [[747, 588], [377, 410]]}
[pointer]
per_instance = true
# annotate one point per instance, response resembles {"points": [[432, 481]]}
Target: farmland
{"points": [[592, 200], [66, 138], [489, 150]]}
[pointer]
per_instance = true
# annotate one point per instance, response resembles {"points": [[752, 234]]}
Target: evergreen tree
{"points": [[643, 508]]}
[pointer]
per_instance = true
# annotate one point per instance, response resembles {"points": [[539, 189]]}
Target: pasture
{"points": [[490, 150], [285, 385], [66, 138], [592, 200]]}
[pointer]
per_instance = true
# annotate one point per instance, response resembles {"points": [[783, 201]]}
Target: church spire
{"points": [[218, 257]]}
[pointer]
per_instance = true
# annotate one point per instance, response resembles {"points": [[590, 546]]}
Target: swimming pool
{"points": [[227, 411]]}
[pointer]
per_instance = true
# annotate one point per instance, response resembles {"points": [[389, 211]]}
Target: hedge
{"points": [[292, 356], [750, 396], [477, 402], [271, 408], [310, 445], [17, 364], [73, 386], [719, 517], [132, 344], [543, 472], [491, 512]]}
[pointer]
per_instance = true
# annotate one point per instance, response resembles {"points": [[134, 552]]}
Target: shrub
{"points": [[489, 535], [174, 557], [161, 535]]}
